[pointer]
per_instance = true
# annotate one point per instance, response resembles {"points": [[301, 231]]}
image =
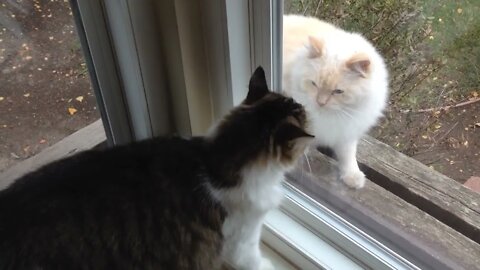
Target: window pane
{"points": [[431, 50], [45, 91]]}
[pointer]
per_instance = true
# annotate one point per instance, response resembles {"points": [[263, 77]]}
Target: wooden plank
{"points": [[399, 225], [438, 195], [84, 139]]}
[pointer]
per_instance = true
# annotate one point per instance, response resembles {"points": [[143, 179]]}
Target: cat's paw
{"points": [[355, 179], [266, 264]]}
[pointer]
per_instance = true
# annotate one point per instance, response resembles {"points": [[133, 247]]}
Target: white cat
{"points": [[340, 79]]}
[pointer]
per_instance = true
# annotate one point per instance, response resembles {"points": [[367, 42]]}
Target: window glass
{"points": [[431, 49], [432, 114], [45, 91]]}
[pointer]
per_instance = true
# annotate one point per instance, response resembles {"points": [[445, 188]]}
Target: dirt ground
{"points": [[45, 95], [449, 140], [45, 92]]}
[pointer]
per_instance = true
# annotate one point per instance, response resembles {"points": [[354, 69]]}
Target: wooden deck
{"points": [[411, 231], [84, 139]]}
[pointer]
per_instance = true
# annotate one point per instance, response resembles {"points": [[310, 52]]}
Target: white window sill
{"points": [[299, 247]]}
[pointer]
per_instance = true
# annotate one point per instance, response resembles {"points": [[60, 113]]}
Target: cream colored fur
{"points": [[319, 58]]}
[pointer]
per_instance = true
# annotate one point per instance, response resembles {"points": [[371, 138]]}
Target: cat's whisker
{"points": [[347, 114], [308, 162], [351, 110], [340, 114]]}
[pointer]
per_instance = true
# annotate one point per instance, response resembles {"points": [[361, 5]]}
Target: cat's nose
{"points": [[322, 101]]}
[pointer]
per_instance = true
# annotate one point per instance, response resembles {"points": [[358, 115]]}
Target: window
{"points": [[170, 66], [45, 91], [431, 117], [391, 223], [431, 50]]}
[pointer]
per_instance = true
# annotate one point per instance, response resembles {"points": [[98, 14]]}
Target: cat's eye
{"points": [[337, 91]]}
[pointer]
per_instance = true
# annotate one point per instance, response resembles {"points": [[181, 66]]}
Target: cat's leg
{"points": [[348, 166], [242, 243]]}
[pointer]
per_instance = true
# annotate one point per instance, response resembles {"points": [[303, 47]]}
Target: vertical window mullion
{"points": [[261, 36], [121, 30], [97, 46]]}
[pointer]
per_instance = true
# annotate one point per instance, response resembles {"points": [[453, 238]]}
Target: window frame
{"points": [[236, 37]]}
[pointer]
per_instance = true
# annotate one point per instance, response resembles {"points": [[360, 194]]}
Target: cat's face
{"points": [[269, 126], [333, 83]]}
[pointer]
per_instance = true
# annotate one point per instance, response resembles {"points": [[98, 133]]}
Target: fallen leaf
{"points": [[477, 124], [437, 126], [26, 95], [79, 98], [474, 94], [72, 111], [2, 98], [42, 141], [459, 11], [15, 156], [424, 136]]}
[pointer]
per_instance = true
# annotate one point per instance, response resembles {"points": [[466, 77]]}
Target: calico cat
{"points": [[341, 80], [164, 203]]}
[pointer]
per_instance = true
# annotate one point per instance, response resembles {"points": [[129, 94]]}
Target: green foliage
{"points": [[432, 47]]}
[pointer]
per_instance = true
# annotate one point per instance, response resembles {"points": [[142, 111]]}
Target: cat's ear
{"points": [[257, 87], [289, 132], [360, 64], [315, 47]]}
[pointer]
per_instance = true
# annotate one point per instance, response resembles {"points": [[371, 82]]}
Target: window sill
{"points": [[301, 247]]}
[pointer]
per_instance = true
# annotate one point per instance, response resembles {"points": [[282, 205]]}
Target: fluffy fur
{"points": [[341, 80], [165, 203]]}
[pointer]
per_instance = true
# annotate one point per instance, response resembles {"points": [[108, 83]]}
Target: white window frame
{"points": [[122, 41]]}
